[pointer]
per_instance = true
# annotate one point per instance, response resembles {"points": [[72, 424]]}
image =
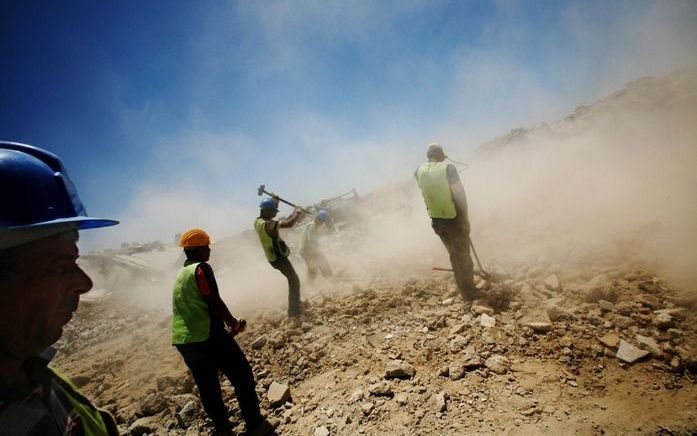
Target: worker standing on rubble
{"points": [[199, 322], [309, 246], [40, 288], [276, 250], [446, 203]]}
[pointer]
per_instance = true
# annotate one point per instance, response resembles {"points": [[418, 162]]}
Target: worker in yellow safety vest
{"points": [[203, 330], [309, 246], [276, 250], [446, 203], [40, 288]]}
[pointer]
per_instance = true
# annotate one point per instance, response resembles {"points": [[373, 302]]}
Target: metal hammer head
{"points": [[261, 190]]}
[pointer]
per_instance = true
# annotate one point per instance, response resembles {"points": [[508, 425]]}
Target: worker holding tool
{"points": [[40, 288], [309, 246], [203, 330], [446, 203], [276, 250]]}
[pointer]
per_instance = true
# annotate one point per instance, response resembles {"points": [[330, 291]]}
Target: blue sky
{"points": [[170, 114]]}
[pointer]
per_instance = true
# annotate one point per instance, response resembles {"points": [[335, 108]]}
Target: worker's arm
{"points": [[205, 279], [458, 193], [291, 220]]}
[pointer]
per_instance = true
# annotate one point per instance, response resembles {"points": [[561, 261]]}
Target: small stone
{"points": [[606, 305], [143, 426], [497, 364], [440, 401], [650, 344], [188, 413], [457, 328], [456, 370], [540, 327], [258, 343], [447, 302], [487, 321], [381, 390], [610, 340], [321, 431], [629, 353], [278, 394], [401, 399], [399, 369], [458, 343], [566, 341], [552, 283], [663, 321], [355, 396], [481, 308], [367, 408], [471, 361]]}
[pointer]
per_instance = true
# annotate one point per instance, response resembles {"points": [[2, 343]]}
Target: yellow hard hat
{"points": [[194, 238]]}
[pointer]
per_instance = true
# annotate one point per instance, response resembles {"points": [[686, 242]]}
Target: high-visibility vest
{"points": [[65, 411], [190, 317], [307, 238], [273, 247], [433, 180], [93, 422]]}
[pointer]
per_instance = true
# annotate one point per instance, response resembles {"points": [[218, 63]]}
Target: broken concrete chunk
{"points": [[629, 353], [610, 340], [650, 344], [399, 369], [278, 394], [487, 321]]}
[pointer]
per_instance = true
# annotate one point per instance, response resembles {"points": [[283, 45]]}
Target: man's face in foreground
{"points": [[40, 298]]}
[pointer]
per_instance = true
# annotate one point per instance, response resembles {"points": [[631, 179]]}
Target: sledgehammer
{"points": [[262, 190]]}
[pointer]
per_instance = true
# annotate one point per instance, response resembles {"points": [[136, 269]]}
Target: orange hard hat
{"points": [[194, 238]]}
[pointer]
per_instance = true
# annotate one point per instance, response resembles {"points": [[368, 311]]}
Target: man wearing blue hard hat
{"points": [[276, 250], [309, 246], [40, 288]]}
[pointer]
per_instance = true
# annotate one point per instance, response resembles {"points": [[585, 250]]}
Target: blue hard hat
{"points": [[322, 215], [37, 192], [268, 203]]}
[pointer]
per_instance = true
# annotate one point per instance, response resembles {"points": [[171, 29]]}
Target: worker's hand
{"points": [[240, 325], [275, 197]]}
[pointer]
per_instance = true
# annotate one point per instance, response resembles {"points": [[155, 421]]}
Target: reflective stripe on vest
{"points": [[272, 246], [190, 318], [91, 418], [433, 180]]}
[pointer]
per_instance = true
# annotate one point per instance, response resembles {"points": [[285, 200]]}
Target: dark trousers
{"points": [[283, 264], [221, 353], [453, 233], [315, 260]]}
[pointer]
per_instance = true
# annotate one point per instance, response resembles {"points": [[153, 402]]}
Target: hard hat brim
{"points": [[80, 222]]}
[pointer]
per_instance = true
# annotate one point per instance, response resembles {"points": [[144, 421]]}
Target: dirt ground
{"points": [[479, 368]]}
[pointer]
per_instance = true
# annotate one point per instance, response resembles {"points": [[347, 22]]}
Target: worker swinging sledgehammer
{"points": [[309, 246], [446, 202], [276, 250]]}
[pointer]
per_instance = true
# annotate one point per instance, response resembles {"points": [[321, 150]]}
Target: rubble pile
{"points": [[390, 357]]}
